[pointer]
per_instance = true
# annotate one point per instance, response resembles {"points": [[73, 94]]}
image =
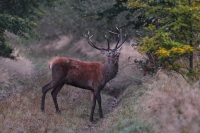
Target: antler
{"points": [[88, 37], [120, 38], [108, 42]]}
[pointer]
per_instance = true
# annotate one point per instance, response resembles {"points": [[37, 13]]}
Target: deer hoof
{"points": [[58, 112], [91, 120], [101, 116], [42, 109]]}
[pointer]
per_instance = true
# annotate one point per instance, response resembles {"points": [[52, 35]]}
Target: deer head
{"points": [[112, 54]]}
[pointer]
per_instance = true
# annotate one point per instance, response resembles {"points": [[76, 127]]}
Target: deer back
{"points": [[77, 73]]}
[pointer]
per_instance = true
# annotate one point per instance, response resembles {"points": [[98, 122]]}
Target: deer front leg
{"points": [[98, 97], [93, 99]]}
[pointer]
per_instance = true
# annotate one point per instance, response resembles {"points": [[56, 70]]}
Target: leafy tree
{"points": [[171, 27], [174, 32], [20, 18]]}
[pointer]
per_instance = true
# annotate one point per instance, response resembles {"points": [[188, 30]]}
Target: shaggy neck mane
{"points": [[110, 70]]}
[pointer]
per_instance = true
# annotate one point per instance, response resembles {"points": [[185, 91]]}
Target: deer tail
{"points": [[50, 65]]}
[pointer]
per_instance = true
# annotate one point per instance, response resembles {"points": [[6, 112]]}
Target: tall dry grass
{"points": [[171, 103]]}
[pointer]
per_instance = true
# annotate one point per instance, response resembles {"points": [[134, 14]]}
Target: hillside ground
{"points": [[163, 102]]}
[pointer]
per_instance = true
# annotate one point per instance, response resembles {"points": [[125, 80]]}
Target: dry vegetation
{"points": [[171, 104], [131, 102]]}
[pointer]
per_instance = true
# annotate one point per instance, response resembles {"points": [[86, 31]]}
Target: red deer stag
{"points": [[92, 76]]}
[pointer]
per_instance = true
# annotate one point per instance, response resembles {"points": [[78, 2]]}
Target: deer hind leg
{"points": [[44, 91], [57, 80], [53, 84], [93, 99], [54, 96]]}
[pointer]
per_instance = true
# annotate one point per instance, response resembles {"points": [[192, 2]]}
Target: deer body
{"points": [[83, 74], [92, 76]]}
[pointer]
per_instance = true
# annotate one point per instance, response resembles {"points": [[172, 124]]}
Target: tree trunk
{"points": [[191, 56], [191, 60], [191, 36]]}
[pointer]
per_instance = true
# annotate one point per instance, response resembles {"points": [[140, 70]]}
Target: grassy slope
{"points": [[164, 103], [171, 104], [21, 111]]}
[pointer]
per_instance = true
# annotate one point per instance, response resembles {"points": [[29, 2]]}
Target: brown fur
{"points": [[78, 70]]}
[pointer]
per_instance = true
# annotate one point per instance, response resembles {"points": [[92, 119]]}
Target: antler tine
{"points": [[119, 36], [113, 32], [88, 37], [117, 28], [117, 42], [121, 43], [108, 42]]}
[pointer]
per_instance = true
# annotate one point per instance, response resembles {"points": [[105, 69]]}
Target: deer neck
{"points": [[110, 69]]}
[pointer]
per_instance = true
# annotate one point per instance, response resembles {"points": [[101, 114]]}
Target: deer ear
{"points": [[104, 52]]}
